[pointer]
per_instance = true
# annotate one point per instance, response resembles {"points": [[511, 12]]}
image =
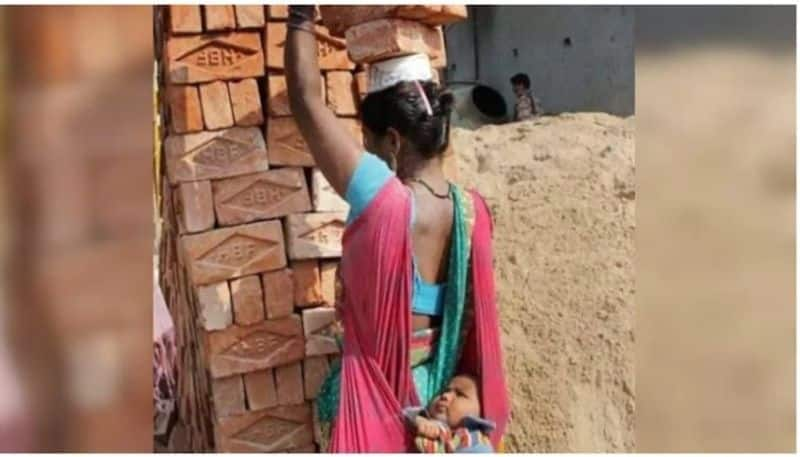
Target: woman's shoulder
{"points": [[369, 178]]}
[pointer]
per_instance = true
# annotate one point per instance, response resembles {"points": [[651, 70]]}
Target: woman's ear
{"points": [[394, 141]]}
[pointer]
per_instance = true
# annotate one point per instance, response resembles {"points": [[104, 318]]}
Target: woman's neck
{"points": [[428, 170]]}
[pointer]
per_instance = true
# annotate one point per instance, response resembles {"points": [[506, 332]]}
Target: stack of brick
{"points": [[252, 230], [378, 33]]}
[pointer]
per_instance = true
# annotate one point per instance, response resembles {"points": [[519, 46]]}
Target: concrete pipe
{"points": [[476, 105]]}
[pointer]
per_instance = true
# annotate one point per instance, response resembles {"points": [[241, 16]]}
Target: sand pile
{"points": [[561, 190]]}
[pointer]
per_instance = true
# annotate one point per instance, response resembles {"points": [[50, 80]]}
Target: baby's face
{"points": [[459, 399]]}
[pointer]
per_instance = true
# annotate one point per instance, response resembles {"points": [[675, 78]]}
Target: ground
{"points": [[561, 190]]}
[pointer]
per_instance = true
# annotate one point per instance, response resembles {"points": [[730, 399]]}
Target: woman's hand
{"points": [[335, 151]]}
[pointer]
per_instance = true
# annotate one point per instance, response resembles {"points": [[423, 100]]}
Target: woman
{"points": [[418, 294]]}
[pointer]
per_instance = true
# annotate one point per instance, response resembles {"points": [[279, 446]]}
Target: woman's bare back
{"points": [[431, 233]]}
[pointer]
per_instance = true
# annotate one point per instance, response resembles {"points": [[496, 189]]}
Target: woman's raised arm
{"points": [[333, 147]]}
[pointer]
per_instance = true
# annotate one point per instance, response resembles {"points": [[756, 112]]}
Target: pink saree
{"points": [[376, 381]]}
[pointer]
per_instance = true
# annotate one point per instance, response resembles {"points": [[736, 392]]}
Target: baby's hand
{"points": [[427, 428]]}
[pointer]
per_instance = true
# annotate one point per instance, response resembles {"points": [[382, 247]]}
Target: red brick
{"points": [[260, 388], [286, 145], [307, 283], [433, 15], [361, 84], [332, 51], [338, 289], [439, 59], [322, 88], [242, 349], [338, 18], [217, 112], [417, 12], [249, 16], [228, 394], [341, 94], [289, 382], [185, 19], [278, 97], [248, 300], [448, 15], [214, 306], [185, 112], [219, 17], [327, 273], [278, 293], [278, 11], [234, 252], [246, 103], [319, 327], [266, 195], [269, 430], [203, 58], [274, 41], [324, 197], [218, 154], [315, 370], [195, 207], [316, 235], [386, 38]]}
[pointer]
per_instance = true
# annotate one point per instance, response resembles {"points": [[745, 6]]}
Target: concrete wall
{"points": [[594, 72]]}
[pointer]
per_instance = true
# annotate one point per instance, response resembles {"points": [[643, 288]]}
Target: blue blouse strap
{"points": [[369, 177]]}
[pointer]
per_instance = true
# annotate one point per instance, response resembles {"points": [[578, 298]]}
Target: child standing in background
{"points": [[527, 106]]}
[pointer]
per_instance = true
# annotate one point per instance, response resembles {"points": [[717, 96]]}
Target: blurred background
{"points": [[715, 264], [77, 180], [715, 120]]}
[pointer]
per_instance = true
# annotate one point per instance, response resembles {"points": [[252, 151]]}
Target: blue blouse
{"points": [[369, 177]]}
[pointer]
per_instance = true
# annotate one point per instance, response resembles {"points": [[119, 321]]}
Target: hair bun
{"points": [[446, 101]]}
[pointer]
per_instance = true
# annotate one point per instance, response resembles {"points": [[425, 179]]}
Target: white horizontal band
{"points": [[389, 72]]}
